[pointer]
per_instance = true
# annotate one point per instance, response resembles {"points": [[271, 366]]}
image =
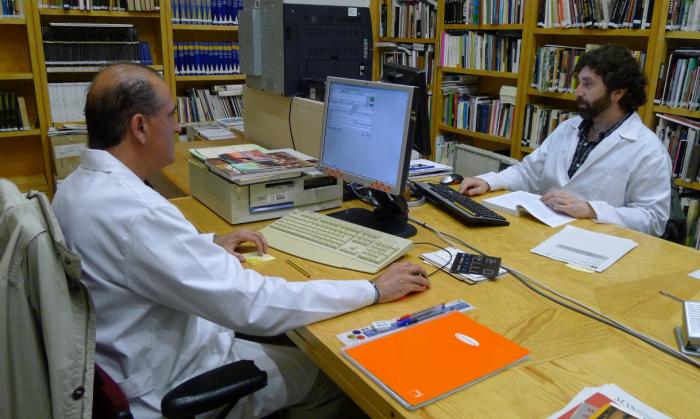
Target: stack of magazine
{"points": [[248, 160], [606, 401]]}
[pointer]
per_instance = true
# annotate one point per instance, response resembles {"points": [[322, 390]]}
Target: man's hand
{"points": [[567, 203], [473, 186], [232, 240], [399, 279]]}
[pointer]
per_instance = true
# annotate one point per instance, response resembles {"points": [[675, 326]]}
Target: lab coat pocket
{"points": [[137, 385]]}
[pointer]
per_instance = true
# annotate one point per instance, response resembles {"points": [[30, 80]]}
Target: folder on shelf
{"points": [[432, 359]]}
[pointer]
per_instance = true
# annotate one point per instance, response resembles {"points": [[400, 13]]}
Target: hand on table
{"points": [[231, 241], [399, 279], [474, 186], [566, 203]]}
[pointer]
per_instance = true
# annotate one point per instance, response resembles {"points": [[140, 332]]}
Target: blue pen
{"points": [[408, 319]]}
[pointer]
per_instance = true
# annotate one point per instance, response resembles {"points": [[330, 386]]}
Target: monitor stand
{"points": [[391, 216]]}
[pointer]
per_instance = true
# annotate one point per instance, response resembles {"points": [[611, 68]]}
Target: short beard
{"points": [[590, 111]]}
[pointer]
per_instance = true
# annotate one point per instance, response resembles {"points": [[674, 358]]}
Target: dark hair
{"points": [[111, 105], [618, 68]]}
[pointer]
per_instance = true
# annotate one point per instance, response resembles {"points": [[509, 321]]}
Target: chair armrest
{"points": [[213, 389]]}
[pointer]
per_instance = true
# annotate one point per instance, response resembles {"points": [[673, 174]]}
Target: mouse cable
{"points": [[441, 267], [567, 301]]}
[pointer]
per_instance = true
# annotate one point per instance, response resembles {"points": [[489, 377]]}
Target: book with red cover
{"points": [[433, 359]]}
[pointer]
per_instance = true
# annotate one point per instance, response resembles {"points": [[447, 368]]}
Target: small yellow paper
{"points": [[254, 258]]}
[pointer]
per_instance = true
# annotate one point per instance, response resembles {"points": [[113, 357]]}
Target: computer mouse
{"points": [[451, 179]]}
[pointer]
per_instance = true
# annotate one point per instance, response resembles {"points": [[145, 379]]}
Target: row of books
{"points": [[13, 112], [117, 5], [540, 121], [493, 12], [681, 85], [11, 8], [681, 138], [683, 15], [554, 67], [203, 105], [421, 56], [479, 114], [481, 50], [416, 19], [206, 12], [67, 101], [92, 54], [206, 58], [603, 14], [89, 32]]}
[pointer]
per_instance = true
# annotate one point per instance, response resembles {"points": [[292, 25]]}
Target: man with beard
{"points": [[605, 164]]}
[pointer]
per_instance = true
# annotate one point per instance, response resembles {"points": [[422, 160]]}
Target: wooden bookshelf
{"points": [[480, 73], [676, 111], [16, 76], [17, 134], [13, 21], [475, 134], [100, 13]]}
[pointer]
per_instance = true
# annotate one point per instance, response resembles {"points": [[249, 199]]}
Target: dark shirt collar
{"points": [[586, 125]]}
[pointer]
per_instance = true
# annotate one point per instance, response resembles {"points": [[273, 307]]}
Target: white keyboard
{"points": [[334, 242]]}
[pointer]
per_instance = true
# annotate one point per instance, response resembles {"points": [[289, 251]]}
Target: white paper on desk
{"points": [[587, 249], [440, 259], [617, 395], [420, 168], [695, 274], [517, 201]]}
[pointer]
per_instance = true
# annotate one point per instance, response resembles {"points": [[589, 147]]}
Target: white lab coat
{"points": [[168, 298], [626, 178]]}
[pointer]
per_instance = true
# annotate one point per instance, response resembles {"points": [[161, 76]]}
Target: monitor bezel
{"points": [[407, 143]]}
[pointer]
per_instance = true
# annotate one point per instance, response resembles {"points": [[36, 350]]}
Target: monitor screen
{"points": [[410, 76], [366, 134]]}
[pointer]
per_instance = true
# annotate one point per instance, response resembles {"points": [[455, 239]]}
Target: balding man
{"points": [[168, 298]]}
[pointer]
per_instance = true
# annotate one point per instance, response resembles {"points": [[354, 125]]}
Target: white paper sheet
{"points": [[587, 249], [511, 202]]}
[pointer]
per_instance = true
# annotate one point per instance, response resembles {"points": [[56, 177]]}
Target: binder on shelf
{"points": [[432, 359]]}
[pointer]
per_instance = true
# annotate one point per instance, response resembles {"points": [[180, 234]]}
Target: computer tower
{"points": [[290, 46]]}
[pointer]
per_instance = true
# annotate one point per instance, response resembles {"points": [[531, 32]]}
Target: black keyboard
{"points": [[465, 208]]}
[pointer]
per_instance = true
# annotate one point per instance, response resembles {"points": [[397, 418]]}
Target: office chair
{"points": [[47, 323]]}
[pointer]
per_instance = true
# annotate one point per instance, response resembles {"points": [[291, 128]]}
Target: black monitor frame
{"points": [[410, 76]]}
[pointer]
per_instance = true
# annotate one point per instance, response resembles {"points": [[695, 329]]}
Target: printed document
{"points": [[579, 247], [521, 201]]}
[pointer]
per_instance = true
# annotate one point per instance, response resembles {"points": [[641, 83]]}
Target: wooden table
{"points": [[568, 351]]}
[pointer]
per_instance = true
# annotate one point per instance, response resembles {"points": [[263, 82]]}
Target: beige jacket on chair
{"points": [[47, 322]]}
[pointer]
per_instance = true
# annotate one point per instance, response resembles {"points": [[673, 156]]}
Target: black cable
{"points": [[289, 121], [441, 248]]}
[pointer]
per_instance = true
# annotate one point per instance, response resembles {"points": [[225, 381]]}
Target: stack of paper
{"points": [[595, 402], [443, 259], [584, 249], [420, 168]]}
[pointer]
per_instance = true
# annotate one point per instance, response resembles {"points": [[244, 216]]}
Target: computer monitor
{"points": [[366, 139], [410, 76]]}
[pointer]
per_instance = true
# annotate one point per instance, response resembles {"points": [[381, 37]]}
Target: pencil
{"points": [[298, 268]]}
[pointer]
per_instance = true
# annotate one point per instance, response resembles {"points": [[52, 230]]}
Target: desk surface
{"points": [[567, 350]]}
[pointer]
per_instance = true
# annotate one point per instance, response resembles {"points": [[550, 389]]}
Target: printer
{"points": [[264, 196]]}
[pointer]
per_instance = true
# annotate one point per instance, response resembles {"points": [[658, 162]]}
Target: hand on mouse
{"points": [[474, 186]]}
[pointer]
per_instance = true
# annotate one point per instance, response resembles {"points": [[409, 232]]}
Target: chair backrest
{"points": [[47, 323]]}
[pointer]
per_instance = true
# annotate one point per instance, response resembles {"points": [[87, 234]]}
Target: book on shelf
{"points": [[521, 202], [11, 9], [13, 113], [433, 359], [680, 137], [206, 12]]}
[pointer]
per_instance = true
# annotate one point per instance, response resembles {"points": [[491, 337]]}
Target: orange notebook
{"points": [[435, 358]]}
